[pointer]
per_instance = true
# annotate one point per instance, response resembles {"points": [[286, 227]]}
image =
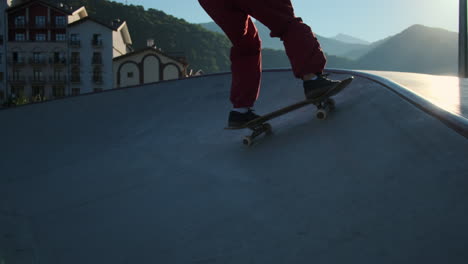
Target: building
{"points": [[146, 66], [4, 4], [92, 46], [37, 49]]}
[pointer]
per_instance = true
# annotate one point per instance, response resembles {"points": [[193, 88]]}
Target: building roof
{"points": [[61, 7], [88, 18], [153, 49]]}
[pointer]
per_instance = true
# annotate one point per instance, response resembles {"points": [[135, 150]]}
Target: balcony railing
{"points": [[97, 79], [38, 61], [75, 61], [96, 61], [75, 79], [58, 25], [38, 79], [58, 61], [39, 26], [16, 62], [17, 79], [75, 43], [20, 25], [58, 79], [97, 43]]}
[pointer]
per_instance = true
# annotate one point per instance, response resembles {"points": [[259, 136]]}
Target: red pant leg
{"points": [[301, 45], [245, 53]]}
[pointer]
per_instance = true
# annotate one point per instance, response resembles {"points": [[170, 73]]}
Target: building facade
{"points": [[147, 66], [4, 5], [92, 48], [37, 48]]}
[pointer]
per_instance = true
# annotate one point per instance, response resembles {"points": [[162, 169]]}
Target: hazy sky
{"points": [[370, 20]]}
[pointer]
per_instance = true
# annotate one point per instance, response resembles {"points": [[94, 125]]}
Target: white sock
{"points": [[313, 79], [241, 110]]}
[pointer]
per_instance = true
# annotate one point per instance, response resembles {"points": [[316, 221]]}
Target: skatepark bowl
{"points": [[148, 175]]}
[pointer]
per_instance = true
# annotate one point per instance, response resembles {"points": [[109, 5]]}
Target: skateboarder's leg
{"points": [[301, 45], [245, 53]]}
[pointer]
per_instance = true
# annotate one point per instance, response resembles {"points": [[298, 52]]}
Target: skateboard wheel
{"points": [[248, 141], [321, 114]]}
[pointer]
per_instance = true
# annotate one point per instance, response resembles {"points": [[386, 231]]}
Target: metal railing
{"points": [[75, 43], [97, 43]]}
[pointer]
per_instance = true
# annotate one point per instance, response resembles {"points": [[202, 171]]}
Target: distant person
{"points": [[304, 52]]}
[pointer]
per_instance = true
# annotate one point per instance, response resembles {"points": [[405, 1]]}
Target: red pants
{"points": [[301, 45]]}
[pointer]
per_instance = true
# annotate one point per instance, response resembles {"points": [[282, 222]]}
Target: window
{"points": [[60, 21], [37, 75], [1, 39], [75, 74], [97, 58], [74, 37], [38, 90], [17, 90], [97, 40], [75, 58], [40, 37], [58, 91], [20, 21], [17, 57], [1, 76], [20, 37], [75, 91], [130, 74], [16, 75], [75, 40], [60, 37], [97, 75], [40, 21], [1, 58], [38, 57], [58, 75], [59, 57]]}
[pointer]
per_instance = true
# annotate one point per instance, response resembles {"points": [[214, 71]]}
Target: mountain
{"points": [[417, 49], [203, 49], [278, 59], [350, 39], [329, 45]]}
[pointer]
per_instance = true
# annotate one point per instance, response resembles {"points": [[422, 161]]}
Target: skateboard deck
{"points": [[324, 105]]}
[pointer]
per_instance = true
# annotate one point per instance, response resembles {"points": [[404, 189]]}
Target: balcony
{"points": [[97, 43], [96, 61], [58, 61], [59, 25], [75, 79], [75, 43], [37, 80], [17, 80], [20, 25], [75, 61], [97, 80], [39, 26], [38, 61], [16, 62], [58, 79]]}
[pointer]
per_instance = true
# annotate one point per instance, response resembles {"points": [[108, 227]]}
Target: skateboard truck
{"points": [[324, 105], [264, 128]]}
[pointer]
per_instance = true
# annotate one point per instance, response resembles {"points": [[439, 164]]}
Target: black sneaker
{"points": [[314, 89], [237, 119]]}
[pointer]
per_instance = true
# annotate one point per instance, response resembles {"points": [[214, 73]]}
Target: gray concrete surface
{"points": [[148, 175]]}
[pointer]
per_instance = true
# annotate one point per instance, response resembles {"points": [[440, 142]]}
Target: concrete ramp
{"points": [[149, 175]]}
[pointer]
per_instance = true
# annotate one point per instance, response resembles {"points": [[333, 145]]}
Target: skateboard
{"points": [[325, 104]]}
